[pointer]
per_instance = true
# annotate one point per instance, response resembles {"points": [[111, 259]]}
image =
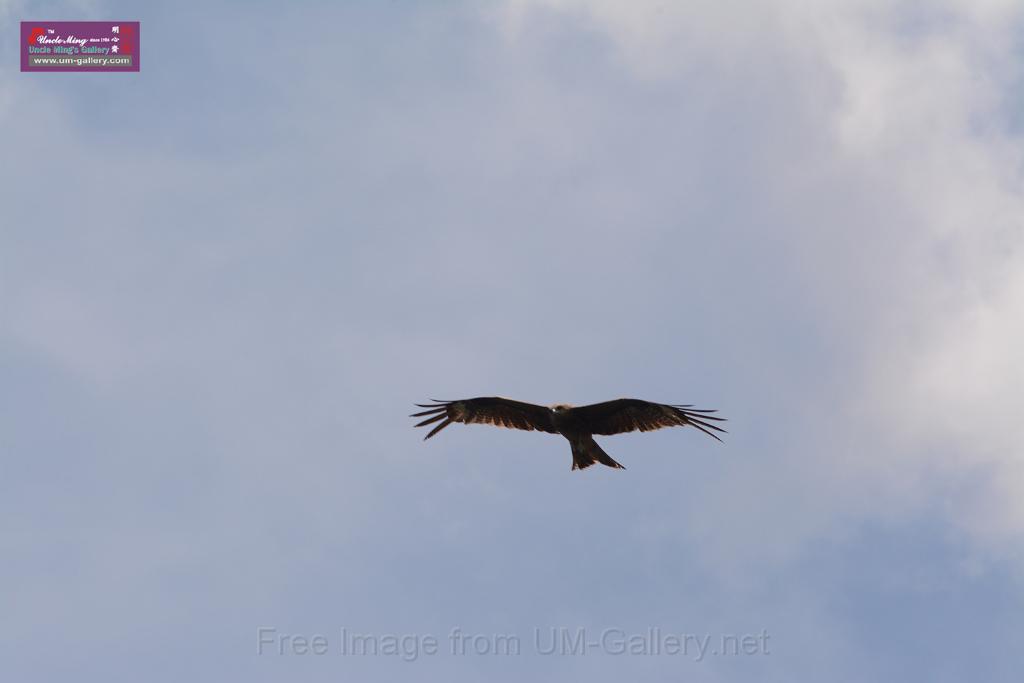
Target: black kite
{"points": [[578, 425]]}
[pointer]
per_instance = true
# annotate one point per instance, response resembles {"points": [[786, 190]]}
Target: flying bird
{"points": [[577, 424]]}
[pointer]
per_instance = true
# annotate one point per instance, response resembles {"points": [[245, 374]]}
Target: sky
{"points": [[225, 280]]}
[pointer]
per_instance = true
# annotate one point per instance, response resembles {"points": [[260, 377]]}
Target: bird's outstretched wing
{"points": [[631, 414], [491, 410]]}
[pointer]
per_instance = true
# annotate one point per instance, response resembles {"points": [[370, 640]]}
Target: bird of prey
{"points": [[577, 424]]}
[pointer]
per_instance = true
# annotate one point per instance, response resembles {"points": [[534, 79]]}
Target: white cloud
{"points": [[909, 230], [804, 217]]}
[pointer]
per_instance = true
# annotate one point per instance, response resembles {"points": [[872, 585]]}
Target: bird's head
{"points": [[561, 407]]}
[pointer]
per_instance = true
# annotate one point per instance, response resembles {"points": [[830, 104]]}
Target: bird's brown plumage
{"points": [[497, 411], [578, 425], [631, 414]]}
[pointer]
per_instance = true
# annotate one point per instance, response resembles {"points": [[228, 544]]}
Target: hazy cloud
{"points": [[224, 280]]}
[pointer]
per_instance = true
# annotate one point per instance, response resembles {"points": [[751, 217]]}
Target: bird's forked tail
{"points": [[585, 452]]}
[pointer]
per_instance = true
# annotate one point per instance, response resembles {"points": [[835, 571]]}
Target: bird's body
{"points": [[563, 418], [577, 424]]}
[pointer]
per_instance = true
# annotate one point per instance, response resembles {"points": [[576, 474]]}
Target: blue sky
{"points": [[225, 280]]}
